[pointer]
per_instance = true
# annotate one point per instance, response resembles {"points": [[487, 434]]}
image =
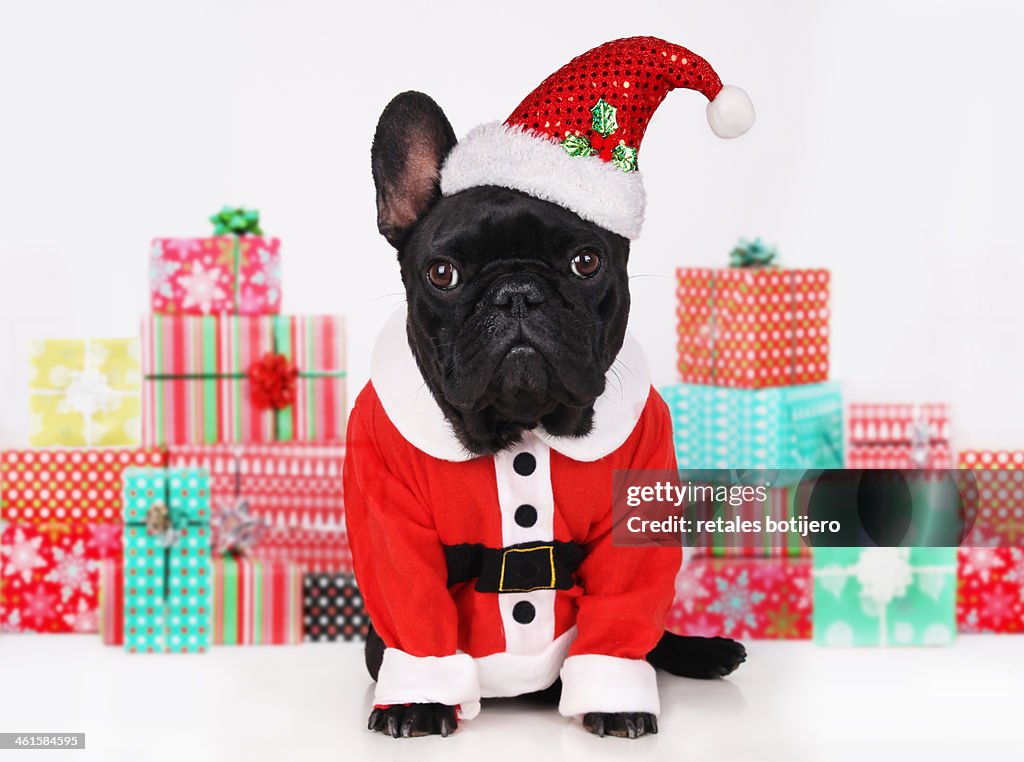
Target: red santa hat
{"points": [[575, 139]]}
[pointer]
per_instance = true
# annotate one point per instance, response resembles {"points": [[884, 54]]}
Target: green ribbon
{"points": [[754, 253]]}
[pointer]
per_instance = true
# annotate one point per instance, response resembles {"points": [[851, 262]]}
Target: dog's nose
{"points": [[517, 295]]}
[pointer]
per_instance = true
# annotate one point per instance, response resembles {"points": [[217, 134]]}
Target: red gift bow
{"points": [[273, 381]]}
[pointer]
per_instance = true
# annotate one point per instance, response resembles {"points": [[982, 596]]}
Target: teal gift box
{"points": [[884, 596], [167, 570], [794, 428]]}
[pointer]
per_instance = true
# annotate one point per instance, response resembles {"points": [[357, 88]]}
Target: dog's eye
{"points": [[443, 275], [585, 263]]}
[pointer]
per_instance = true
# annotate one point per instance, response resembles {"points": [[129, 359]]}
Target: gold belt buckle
{"points": [[547, 558]]}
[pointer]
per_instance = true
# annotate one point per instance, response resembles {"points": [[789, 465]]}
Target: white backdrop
{"points": [[888, 149]]}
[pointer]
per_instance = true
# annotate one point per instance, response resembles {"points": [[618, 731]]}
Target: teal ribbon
{"points": [[754, 253]]}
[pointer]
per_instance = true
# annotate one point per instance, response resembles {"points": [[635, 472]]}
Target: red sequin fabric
{"points": [[632, 75]]}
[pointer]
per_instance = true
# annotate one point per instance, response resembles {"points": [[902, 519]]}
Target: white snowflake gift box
{"points": [[49, 575], [884, 596], [85, 392]]}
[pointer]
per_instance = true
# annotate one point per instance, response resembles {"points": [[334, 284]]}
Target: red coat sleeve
{"points": [[401, 571], [627, 592]]}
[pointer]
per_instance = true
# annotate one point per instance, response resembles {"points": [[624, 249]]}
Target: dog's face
{"points": [[516, 306]]}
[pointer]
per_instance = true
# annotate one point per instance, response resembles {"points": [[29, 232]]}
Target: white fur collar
{"points": [[417, 416]]}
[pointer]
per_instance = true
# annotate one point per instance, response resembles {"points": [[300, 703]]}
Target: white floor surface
{"points": [[791, 701]]}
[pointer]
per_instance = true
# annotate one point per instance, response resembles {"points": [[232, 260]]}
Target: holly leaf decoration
{"points": [[624, 157], [603, 118], [577, 145]]}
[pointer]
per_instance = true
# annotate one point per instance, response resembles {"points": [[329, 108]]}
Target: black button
{"points": [[524, 612], [524, 464], [526, 515]]}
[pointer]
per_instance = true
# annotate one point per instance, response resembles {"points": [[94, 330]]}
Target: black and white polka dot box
{"points": [[332, 608]]}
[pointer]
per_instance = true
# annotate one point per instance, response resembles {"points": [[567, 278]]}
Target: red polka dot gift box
{"points": [[752, 327], [994, 492], [72, 485], [60, 515]]}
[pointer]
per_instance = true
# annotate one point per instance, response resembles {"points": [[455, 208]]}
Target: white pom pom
{"points": [[731, 113]]}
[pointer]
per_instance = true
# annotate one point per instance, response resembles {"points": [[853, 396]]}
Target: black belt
{"points": [[515, 569]]}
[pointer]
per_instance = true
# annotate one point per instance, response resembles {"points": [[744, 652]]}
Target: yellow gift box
{"points": [[85, 392]]}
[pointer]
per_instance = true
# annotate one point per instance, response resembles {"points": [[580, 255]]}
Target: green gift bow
{"points": [[754, 253], [236, 221]]}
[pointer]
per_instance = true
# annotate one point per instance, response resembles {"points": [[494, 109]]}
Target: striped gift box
{"points": [[779, 507], [256, 602], [197, 387], [111, 593]]}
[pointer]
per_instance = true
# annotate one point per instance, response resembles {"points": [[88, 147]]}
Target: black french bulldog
{"points": [[541, 359]]}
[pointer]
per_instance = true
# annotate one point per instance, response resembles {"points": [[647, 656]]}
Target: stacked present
{"points": [[899, 436], [205, 536], [754, 394]]}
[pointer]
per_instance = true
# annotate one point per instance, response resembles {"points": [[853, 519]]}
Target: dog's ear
{"points": [[412, 140]]}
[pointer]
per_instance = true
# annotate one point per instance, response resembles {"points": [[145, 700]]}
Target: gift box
{"points": [[217, 275], [332, 608], [253, 602], [990, 590], [243, 379], [994, 489], [753, 327], [791, 428], [780, 506], [899, 436], [111, 600], [50, 575], [293, 491], [166, 560], [743, 598], [884, 596], [256, 602], [236, 270], [84, 392], [78, 485]]}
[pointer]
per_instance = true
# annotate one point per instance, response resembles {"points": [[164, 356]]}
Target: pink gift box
{"points": [[764, 598], [216, 275]]}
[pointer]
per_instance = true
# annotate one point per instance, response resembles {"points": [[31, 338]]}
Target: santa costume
{"points": [[496, 575]]}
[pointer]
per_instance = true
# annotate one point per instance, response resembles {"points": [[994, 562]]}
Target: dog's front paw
{"points": [[413, 720], [620, 724]]}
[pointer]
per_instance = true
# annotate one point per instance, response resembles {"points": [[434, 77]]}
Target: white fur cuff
{"points": [[595, 683], [407, 679]]}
